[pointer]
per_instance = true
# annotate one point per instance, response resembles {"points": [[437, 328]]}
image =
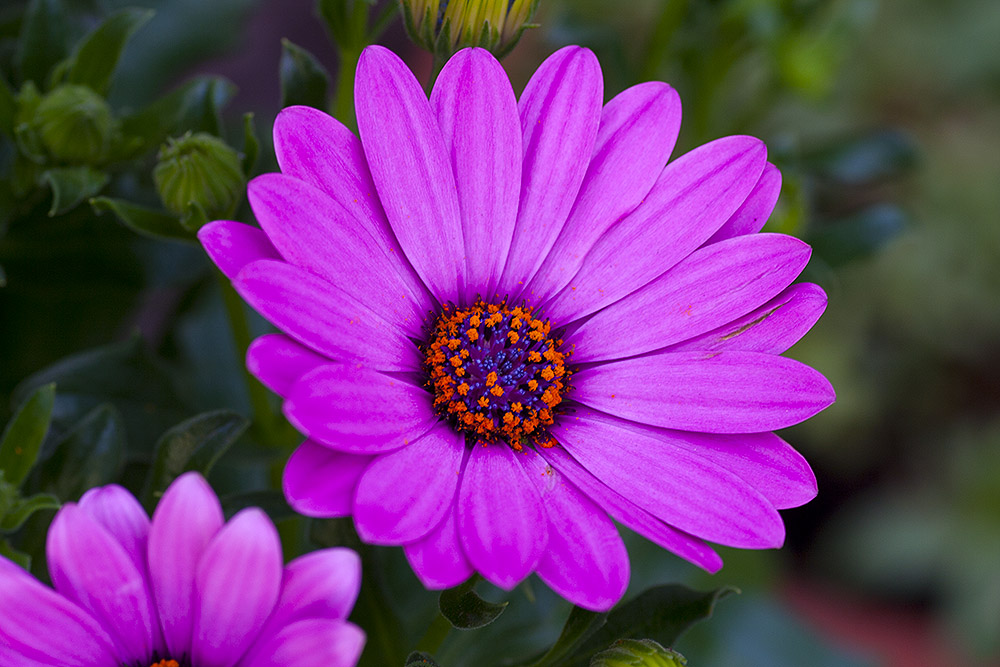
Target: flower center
{"points": [[495, 372], [166, 663]]}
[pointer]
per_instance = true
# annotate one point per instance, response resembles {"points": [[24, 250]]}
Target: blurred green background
{"points": [[884, 117]]}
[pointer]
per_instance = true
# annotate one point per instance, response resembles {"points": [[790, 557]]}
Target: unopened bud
{"points": [[446, 26], [199, 169], [638, 653], [75, 125]]}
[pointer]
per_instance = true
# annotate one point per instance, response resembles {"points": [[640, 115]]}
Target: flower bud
{"points": [[200, 169], [638, 653], [75, 125], [446, 26]]}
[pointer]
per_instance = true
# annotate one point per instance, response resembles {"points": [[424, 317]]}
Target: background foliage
{"points": [[118, 361]]}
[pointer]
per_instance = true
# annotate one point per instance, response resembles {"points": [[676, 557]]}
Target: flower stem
{"points": [[259, 399], [343, 101], [436, 633]]}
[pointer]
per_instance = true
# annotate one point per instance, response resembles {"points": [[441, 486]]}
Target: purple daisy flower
{"points": [[186, 588], [507, 322]]}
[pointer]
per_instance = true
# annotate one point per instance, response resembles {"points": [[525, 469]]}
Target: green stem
{"points": [[259, 399], [436, 633], [343, 102]]}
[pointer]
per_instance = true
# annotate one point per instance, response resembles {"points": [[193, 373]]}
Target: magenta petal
{"points": [[637, 133], [237, 585], [629, 514], [320, 584], [750, 217], [692, 198], [122, 516], [233, 245], [310, 643], [438, 559], [711, 392], [89, 567], [501, 522], [184, 522], [477, 112], [763, 460], [40, 627], [681, 488], [313, 232], [585, 560], [560, 111], [324, 317], [411, 169], [359, 411], [403, 495], [320, 482], [772, 328], [315, 148], [278, 362], [711, 287]]}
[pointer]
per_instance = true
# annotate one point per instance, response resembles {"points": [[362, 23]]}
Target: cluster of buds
{"points": [[445, 26]]}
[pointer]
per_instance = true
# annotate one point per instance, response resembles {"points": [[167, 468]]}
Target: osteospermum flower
{"points": [[507, 321], [183, 590]]}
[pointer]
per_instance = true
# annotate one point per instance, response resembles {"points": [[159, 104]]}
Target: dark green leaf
{"points": [[123, 374], [195, 444], [466, 610], [419, 659], [71, 185], [43, 41], [90, 455], [23, 436], [271, 501], [858, 236], [251, 146], [96, 57], [195, 106], [145, 221], [661, 613], [12, 554], [580, 625], [303, 78], [24, 508]]}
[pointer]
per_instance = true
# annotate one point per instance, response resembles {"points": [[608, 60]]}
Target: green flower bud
{"points": [[637, 653], [446, 26], [199, 169], [75, 125]]}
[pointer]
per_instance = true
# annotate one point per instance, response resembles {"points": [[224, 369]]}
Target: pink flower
{"points": [[183, 589], [506, 322]]}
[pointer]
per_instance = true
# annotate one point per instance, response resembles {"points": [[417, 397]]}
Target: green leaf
{"points": [[196, 106], [71, 185], [24, 508], [22, 439], [270, 500], [195, 444], [251, 146], [96, 57], [661, 613], [303, 79], [858, 236], [419, 659], [145, 221], [124, 374], [12, 554], [44, 40], [580, 625], [467, 611], [90, 455]]}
